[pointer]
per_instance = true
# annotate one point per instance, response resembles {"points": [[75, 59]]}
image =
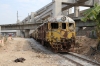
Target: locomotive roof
{"points": [[59, 19]]}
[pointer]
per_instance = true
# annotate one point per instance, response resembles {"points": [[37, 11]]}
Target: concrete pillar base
{"points": [[27, 33], [18, 33]]}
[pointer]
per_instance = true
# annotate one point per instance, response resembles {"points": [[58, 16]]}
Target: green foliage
{"points": [[92, 14]]}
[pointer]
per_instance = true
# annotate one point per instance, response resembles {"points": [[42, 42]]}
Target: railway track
{"points": [[78, 61]]}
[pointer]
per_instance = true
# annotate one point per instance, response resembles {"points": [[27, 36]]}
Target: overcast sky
{"points": [[9, 8]]}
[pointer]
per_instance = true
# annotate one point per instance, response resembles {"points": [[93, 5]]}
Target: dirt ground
{"points": [[83, 47], [33, 54], [36, 55]]}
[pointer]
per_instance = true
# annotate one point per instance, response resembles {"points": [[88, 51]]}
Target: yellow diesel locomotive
{"points": [[58, 33]]}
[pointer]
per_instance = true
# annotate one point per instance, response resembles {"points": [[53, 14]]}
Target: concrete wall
{"points": [[86, 31]]}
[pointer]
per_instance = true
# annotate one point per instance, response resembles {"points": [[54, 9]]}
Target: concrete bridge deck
{"points": [[33, 26], [30, 26]]}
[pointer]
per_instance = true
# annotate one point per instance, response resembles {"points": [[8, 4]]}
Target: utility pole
{"points": [[0, 30], [17, 17], [28, 18], [18, 31]]}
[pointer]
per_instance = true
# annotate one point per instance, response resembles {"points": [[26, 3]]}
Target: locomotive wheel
{"points": [[42, 42], [72, 47], [98, 46]]}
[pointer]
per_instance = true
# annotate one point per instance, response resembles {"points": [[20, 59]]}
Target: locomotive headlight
{"points": [[63, 18]]}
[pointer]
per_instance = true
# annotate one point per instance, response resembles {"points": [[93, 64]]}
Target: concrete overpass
{"points": [[55, 8], [32, 26], [25, 28], [20, 26]]}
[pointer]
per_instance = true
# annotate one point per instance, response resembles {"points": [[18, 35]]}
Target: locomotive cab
{"points": [[61, 35], [57, 33]]}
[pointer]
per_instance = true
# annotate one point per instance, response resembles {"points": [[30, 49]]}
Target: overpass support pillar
{"points": [[18, 33], [22, 33], [57, 8], [32, 17], [27, 33], [67, 12], [76, 11]]}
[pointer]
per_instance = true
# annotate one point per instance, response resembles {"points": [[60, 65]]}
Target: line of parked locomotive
{"points": [[57, 33]]}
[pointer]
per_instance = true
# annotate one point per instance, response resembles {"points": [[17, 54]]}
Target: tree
{"points": [[93, 14]]}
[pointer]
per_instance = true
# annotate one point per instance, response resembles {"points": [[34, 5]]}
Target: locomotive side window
{"points": [[54, 25], [46, 26], [63, 25]]}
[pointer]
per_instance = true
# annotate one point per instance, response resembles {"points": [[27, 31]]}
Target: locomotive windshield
{"points": [[54, 25], [63, 25], [71, 26]]}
